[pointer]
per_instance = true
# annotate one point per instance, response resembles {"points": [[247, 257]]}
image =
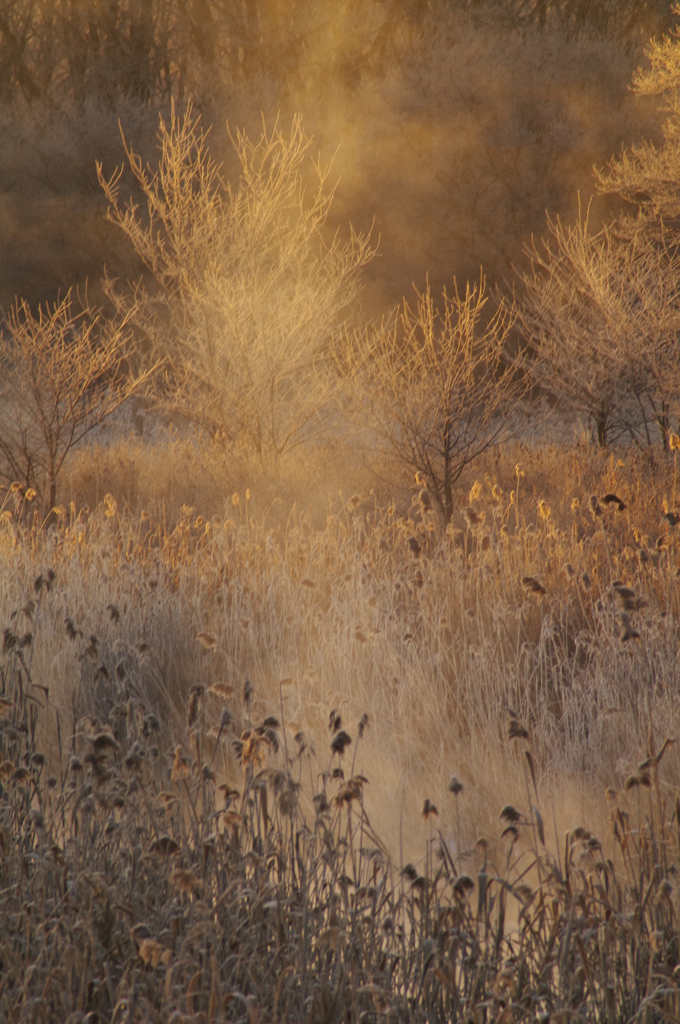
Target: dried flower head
{"points": [[185, 880], [429, 809], [254, 747], [181, 766], [193, 704], [613, 499], [594, 506], [340, 742], [152, 953], [472, 517], [516, 731], [627, 631], [221, 690], [463, 886], [104, 741], [532, 585], [475, 492], [164, 846], [425, 500]]}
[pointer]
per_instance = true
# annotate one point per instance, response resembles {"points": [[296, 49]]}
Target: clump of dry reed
{"points": [[208, 627], [134, 886], [437, 628]]}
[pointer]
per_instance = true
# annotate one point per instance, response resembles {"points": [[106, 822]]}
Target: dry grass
{"points": [[495, 650]]}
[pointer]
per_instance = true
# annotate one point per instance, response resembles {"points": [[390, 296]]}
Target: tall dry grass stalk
{"points": [[430, 629], [186, 766]]}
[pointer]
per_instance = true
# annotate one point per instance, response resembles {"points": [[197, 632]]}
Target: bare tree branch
{"points": [[602, 314], [63, 373], [437, 386], [248, 294]]}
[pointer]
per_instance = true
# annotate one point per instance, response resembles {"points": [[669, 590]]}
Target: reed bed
{"points": [[227, 748]]}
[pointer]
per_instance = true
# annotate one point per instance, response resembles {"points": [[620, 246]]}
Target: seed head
{"points": [[221, 690], [613, 499], [594, 506], [334, 721], [472, 517], [164, 846], [340, 742], [532, 586], [463, 885], [429, 809], [455, 785], [516, 730], [627, 632]]}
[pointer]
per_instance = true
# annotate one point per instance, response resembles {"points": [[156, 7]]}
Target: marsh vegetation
{"points": [[339, 668]]}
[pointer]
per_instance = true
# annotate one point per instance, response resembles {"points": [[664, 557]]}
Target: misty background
{"points": [[454, 127]]}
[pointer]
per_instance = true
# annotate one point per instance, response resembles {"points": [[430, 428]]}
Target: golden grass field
{"points": [[178, 842]]}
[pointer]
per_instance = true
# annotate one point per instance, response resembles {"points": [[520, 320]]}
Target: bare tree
{"points": [[247, 294], [62, 373], [602, 314], [602, 310], [647, 175], [437, 385]]}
